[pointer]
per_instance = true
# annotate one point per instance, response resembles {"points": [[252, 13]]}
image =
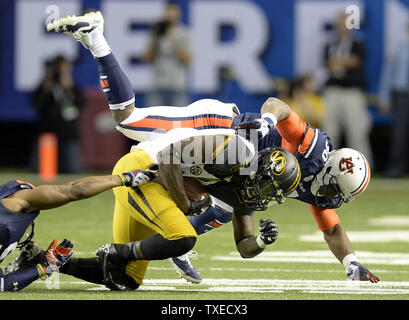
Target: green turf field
{"points": [[297, 267]]}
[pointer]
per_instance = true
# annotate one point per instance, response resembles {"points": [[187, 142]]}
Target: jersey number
{"points": [[325, 153]]}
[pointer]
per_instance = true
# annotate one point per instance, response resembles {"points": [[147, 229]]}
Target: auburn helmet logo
{"points": [[346, 164], [278, 162]]}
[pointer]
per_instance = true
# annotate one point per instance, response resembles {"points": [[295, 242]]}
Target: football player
{"points": [[20, 204], [329, 177], [150, 220]]}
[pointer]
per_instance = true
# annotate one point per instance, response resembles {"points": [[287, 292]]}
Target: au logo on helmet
{"points": [[278, 162], [346, 164]]}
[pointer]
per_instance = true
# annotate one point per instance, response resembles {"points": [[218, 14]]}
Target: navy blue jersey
{"points": [[12, 224], [311, 163], [272, 139], [312, 154]]}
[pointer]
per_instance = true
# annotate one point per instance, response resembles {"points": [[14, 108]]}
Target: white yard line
{"points": [[364, 236], [320, 256], [275, 286], [390, 221]]}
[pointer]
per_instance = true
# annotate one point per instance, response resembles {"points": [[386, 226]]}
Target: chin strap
{"points": [[30, 236]]}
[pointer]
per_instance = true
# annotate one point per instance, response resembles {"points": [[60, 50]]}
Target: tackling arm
{"points": [[53, 196], [171, 177], [338, 241], [246, 243]]}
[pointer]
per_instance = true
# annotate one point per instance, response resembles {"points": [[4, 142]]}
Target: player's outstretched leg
{"points": [[88, 29]]}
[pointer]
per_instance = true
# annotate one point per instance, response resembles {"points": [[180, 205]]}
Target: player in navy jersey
{"points": [[20, 204], [329, 177]]}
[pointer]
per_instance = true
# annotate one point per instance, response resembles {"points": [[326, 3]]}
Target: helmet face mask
{"points": [[329, 195], [278, 174], [260, 191]]}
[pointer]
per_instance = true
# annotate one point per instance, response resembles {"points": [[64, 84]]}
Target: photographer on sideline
{"points": [[58, 102], [169, 54]]}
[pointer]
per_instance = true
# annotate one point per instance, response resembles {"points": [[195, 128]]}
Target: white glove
{"points": [[137, 177], [356, 271]]}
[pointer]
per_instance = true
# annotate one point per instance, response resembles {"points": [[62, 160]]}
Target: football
{"points": [[194, 190]]}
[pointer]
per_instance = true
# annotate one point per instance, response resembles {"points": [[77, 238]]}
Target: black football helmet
{"points": [[278, 174]]}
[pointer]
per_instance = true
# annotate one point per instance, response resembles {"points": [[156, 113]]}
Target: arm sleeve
{"points": [[292, 131], [325, 218]]}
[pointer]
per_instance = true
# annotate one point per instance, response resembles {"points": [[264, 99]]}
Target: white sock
{"points": [[99, 46]]}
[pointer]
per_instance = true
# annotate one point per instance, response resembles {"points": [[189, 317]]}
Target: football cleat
{"points": [[185, 269], [113, 267], [78, 27], [30, 255]]}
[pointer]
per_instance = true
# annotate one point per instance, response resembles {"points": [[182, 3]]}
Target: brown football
{"points": [[194, 190]]}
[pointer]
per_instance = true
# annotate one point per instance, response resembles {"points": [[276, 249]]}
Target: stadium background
{"points": [[294, 31]]}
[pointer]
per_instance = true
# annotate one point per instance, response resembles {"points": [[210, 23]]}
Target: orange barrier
{"points": [[48, 157]]}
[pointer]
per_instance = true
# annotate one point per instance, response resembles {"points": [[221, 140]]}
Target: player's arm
{"points": [[339, 244], [338, 241], [276, 107], [170, 172], [53, 196], [248, 245]]}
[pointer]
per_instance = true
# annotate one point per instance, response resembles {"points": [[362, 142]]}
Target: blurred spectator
{"points": [[169, 53], [305, 101], [394, 97], [58, 102], [344, 91]]}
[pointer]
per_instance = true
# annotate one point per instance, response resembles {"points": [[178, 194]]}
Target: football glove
{"points": [[268, 232], [63, 252], [137, 177], [263, 126], [356, 271], [56, 256], [196, 206]]}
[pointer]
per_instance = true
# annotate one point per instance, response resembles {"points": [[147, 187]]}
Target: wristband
{"points": [[269, 117], [123, 179], [260, 242], [348, 259], [42, 272]]}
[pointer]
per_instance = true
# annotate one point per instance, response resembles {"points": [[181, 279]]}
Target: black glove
{"points": [[268, 231], [196, 206]]}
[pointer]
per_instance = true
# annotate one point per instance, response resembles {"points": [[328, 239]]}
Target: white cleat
{"points": [[79, 27]]}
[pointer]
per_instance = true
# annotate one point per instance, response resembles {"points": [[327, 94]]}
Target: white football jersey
{"points": [[211, 146]]}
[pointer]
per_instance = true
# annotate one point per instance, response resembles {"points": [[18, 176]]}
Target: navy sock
{"points": [[115, 84], [212, 218], [19, 279]]}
